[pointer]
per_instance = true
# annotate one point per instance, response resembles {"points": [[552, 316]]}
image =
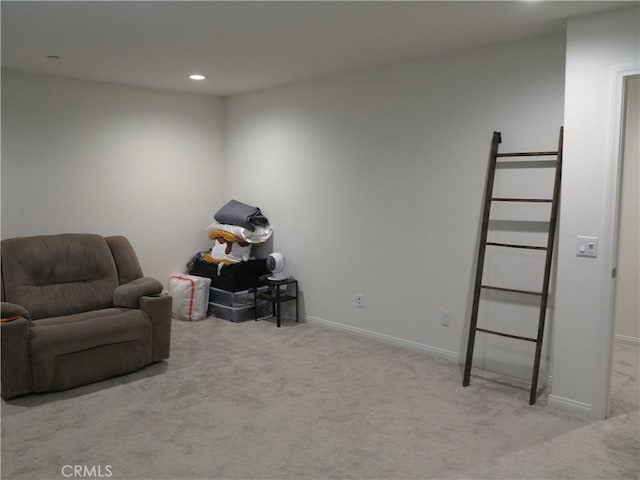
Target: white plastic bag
{"points": [[190, 296]]}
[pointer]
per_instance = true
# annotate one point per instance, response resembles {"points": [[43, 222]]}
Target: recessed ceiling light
{"points": [[197, 76]]}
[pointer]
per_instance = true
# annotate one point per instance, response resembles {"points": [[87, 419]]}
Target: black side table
{"points": [[276, 295]]}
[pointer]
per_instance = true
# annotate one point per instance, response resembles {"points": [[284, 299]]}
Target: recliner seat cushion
{"points": [[69, 351], [57, 275], [79, 317]]}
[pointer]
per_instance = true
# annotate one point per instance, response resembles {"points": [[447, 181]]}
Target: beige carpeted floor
{"points": [[249, 401]]}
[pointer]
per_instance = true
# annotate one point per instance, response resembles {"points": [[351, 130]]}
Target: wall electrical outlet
{"points": [[445, 318], [359, 300]]}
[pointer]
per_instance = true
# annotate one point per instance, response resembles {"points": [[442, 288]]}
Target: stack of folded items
{"points": [[237, 227]]}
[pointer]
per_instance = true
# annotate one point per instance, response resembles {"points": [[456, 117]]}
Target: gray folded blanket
{"points": [[242, 215]]}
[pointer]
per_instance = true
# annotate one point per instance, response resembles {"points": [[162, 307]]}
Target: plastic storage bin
{"points": [[240, 314], [233, 299]]}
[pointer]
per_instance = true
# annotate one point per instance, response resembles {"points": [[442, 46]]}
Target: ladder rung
{"points": [[511, 199], [537, 163], [509, 245], [513, 290], [527, 154], [492, 332]]}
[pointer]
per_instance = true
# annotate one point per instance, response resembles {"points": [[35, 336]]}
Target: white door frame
{"points": [[612, 217]]}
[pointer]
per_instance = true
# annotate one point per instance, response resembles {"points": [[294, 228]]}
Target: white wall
{"points": [[92, 157], [627, 303], [597, 45], [373, 182]]}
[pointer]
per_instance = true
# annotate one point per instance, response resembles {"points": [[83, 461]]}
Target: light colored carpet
{"points": [[249, 401]]}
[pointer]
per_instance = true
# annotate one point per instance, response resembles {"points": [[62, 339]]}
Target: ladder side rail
{"points": [[547, 270], [491, 170]]}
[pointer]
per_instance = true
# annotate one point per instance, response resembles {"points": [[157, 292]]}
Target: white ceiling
{"points": [[244, 46]]}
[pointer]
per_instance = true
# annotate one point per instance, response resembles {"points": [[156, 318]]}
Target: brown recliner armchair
{"points": [[76, 309]]}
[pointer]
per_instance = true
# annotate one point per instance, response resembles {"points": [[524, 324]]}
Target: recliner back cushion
{"points": [[53, 275]]}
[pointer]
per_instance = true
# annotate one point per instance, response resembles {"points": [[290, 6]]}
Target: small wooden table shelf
{"points": [[276, 295]]}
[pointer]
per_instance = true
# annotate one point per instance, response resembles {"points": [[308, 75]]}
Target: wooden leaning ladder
{"points": [[544, 292]]}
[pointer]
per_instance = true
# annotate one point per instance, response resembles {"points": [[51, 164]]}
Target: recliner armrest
{"points": [[9, 310], [128, 295], [158, 309], [15, 364]]}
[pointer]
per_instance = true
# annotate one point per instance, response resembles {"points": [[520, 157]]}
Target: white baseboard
{"points": [[627, 339], [387, 339], [570, 405]]}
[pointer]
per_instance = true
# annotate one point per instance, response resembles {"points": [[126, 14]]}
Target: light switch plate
{"points": [[587, 246]]}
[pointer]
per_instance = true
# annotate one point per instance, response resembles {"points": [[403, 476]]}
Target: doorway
{"points": [[624, 374]]}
